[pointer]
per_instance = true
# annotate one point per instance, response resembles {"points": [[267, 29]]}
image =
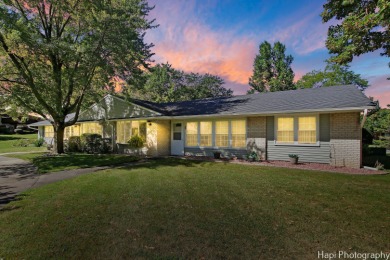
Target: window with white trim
{"points": [[192, 134], [126, 129], [307, 130], [285, 132], [206, 133], [91, 128], [48, 131], [297, 129], [222, 133], [238, 129]]}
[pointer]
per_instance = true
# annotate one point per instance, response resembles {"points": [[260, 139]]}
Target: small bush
{"points": [[136, 142], [21, 143], [39, 142], [253, 156], [91, 143], [74, 144]]}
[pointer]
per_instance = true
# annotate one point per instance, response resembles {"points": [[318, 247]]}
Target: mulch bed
{"points": [[303, 166]]}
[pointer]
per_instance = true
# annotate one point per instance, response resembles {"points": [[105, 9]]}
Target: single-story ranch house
{"points": [[319, 125]]}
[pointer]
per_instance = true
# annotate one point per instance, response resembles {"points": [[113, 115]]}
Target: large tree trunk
{"points": [[59, 130]]}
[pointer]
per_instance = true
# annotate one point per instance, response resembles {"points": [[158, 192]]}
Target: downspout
{"points": [[364, 117]]}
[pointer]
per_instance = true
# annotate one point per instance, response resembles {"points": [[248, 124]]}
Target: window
{"points": [[126, 129], [238, 133], [192, 134], [206, 133], [71, 131], [123, 130], [285, 130], [297, 129], [91, 128], [222, 133], [48, 131], [307, 130]]}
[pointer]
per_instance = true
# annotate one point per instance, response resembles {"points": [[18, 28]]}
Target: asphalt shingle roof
{"points": [[319, 99], [46, 122], [326, 98]]}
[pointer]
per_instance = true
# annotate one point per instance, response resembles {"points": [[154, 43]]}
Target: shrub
{"points": [[21, 143], [39, 142], [74, 144], [253, 156], [136, 142], [293, 156], [91, 143]]}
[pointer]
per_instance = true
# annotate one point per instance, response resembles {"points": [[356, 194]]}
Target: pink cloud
{"points": [[380, 90], [190, 45]]}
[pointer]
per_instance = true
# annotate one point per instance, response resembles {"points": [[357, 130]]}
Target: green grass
{"points": [[185, 209], [56, 163], [7, 143]]}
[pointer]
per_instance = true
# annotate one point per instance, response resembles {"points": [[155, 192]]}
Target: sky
{"points": [[222, 37]]}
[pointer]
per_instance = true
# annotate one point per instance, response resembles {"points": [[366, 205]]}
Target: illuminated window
{"points": [[238, 133], [192, 134], [285, 130], [206, 133], [48, 131], [91, 128], [126, 129], [123, 131], [222, 133], [307, 130]]}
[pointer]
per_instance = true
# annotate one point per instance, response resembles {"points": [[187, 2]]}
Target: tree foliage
{"points": [[56, 53], [332, 75], [378, 123], [272, 69], [165, 84], [364, 28]]}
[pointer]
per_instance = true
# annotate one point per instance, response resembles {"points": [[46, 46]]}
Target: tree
{"points": [[332, 75], [165, 84], [272, 69], [56, 53], [364, 28]]}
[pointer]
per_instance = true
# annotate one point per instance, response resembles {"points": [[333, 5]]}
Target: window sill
{"points": [[318, 144]]}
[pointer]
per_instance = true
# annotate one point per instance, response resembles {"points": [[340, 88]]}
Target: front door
{"points": [[177, 144]]}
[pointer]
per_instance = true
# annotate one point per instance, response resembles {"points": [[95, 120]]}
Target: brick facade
{"points": [[345, 139], [256, 136]]}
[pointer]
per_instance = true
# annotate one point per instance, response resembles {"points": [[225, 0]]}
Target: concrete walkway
{"points": [[17, 175]]}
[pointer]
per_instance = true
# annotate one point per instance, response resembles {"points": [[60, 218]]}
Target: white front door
{"points": [[177, 138]]}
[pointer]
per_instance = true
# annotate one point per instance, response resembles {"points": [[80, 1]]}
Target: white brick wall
{"points": [[345, 139]]}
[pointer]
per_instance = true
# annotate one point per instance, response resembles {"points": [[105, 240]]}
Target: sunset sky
{"points": [[222, 37]]}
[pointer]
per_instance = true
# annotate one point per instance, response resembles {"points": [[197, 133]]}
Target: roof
{"points": [[319, 99], [47, 122], [292, 101]]}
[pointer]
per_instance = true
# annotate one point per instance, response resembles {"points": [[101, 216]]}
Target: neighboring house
{"points": [[320, 125]]}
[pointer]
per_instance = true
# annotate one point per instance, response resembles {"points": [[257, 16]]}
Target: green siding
{"points": [[318, 154], [270, 128], [325, 127], [114, 108]]}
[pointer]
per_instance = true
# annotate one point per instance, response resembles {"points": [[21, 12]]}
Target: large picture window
{"points": [[222, 133], [192, 134], [127, 129], [285, 130], [238, 133], [206, 133], [297, 130], [91, 128]]}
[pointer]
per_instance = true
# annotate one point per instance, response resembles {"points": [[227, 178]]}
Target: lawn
{"points": [[62, 162], [8, 143], [175, 208]]}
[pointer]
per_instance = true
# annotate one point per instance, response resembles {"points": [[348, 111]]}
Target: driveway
{"points": [[15, 176]]}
